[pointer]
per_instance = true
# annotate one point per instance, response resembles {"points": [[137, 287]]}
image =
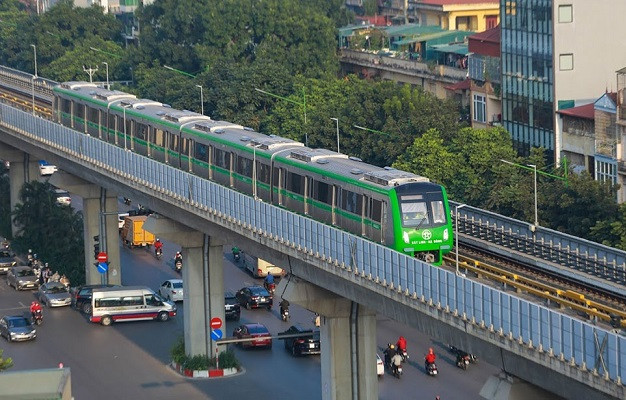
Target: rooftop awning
{"points": [[452, 48]]}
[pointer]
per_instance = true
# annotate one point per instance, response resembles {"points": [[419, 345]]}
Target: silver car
{"points": [[7, 260], [17, 329], [22, 277], [54, 294]]}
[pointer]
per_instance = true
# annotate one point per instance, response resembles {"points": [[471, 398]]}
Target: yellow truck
{"points": [[133, 234]]}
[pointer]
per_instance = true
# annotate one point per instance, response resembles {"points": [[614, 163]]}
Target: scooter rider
{"points": [[269, 280], [158, 245], [389, 352], [178, 257], [401, 344], [430, 358], [34, 307], [396, 361], [284, 306]]}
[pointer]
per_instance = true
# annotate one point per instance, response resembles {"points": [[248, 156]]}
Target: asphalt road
{"points": [[130, 360]]}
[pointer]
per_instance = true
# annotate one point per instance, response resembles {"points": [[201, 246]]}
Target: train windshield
{"points": [[422, 210]]}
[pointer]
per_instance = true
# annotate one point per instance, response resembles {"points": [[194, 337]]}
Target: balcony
{"points": [[484, 68]]}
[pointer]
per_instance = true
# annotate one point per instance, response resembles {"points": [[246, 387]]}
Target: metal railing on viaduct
{"points": [[536, 333]]}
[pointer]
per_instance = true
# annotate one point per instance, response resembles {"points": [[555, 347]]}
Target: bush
{"points": [[201, 362]]}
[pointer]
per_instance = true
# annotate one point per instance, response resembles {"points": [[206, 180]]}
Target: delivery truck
{"points": [[260, 268], [133, 234]]}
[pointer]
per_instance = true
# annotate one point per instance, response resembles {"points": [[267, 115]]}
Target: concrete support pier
{"points": [[100, 211], [203, 281], [22, 170], [348, 340]]}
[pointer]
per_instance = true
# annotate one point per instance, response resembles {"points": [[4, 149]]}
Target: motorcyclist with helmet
{"points": [[35, 308], [401, 346], [158, 248], [430, 358], [389, 352]]}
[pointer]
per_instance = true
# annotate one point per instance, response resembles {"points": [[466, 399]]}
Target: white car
{"points": [[63, 197], [380, 366], [46, 169], [172, 289]]}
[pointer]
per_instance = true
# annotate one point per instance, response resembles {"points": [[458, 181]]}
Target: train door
{"points": [[334, 205], [307, 193], [159, 140], [364, 210], [230, 169], [186, 150]]}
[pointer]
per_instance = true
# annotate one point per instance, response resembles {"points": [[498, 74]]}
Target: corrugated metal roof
{"points": [[457, 48], [490, 35], [585, 111], [410, 30]]}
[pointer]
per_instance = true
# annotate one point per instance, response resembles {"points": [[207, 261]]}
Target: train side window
{"points": [[295, 183], [80, 111], [222, 159], [159, 137], [351, 202], [244, 166], [323, 192], [93, 115], [376, 210], [202, 152], [173, 144], [111, 119], [66, 106], [141, 131], [263, 172], [276, 177]]}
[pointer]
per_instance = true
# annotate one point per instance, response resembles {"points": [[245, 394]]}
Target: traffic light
{"points": [[96, 246]]}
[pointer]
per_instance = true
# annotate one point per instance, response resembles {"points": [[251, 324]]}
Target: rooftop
{"points": [[584, 111], [490, 35], [457, 2]]}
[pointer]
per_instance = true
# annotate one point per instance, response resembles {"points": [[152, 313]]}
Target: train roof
{"points": [[322, 161]]}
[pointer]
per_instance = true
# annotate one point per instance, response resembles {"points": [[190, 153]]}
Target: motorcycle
{"points": [[158, 252], [178, 264], [396, 371], [126, 201], [431, 369], [37, 317], [403, 353], [463, 358], [236, 254], [270, 287], [284, 314]]}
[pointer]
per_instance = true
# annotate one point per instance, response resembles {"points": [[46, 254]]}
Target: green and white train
{"points": [[396, 208]]}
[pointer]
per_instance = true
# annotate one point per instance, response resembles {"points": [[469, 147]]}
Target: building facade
{"points": [[462, 15], [556, 54], [484, 74]]}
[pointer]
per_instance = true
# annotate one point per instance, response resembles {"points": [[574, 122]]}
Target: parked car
{"points": [[253, 331], [63, 197], [308, 343], [81, 296], [46, 169], [17, 328], [232, 310], [380, 366], [254, 297], [54, 294], [172, 289], [22, 277], [7, 260]]}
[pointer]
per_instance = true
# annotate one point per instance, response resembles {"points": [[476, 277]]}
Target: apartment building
{"points": [[461, 15], [556, 54]]}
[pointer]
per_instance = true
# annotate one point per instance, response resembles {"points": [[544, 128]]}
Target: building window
{"points": [[606, 170], [480, 109], [565, 14], [566, 62], [491, 21]]}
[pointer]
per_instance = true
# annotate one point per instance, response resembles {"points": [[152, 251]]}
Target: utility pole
{"points": [[90, 71]]}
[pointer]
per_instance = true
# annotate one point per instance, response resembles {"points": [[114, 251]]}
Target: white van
{"points": [[260, 268], [129, 303]]}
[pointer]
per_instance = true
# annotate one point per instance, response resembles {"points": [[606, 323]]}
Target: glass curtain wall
{"points": [[527, 78]]}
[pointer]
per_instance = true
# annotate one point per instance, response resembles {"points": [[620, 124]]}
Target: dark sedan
{"points": [[308, 343], [262, 337], [17, 329], [81, 296], [232, 310], [7, 260], [254, 297]]}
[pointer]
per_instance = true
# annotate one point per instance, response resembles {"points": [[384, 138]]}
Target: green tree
{"points": [[370, 7], [55, 231], [5, 363]]}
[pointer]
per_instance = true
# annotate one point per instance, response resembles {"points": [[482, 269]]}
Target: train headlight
{"points": [[405, 236], [446, 235]]}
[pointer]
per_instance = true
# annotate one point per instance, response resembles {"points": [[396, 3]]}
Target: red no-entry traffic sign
{"points": [[216, 323], [103, 257]]}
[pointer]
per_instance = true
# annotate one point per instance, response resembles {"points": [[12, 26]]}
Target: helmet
{"points": [[35, 255], [158, 240], [30, 251], [392, 347]]}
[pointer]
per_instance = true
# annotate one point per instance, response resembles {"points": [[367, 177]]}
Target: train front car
{"points": [[422, 223]]}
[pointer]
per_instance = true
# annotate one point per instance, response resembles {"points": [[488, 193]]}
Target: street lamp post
{"points": [[107, 65], [201, 100], [337, 121], [35, 54], [303, 104], [456, 234], [33, 92], [534, 167]]}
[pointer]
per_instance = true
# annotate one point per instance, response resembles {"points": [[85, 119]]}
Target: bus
{"points": [[129, 303]]}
